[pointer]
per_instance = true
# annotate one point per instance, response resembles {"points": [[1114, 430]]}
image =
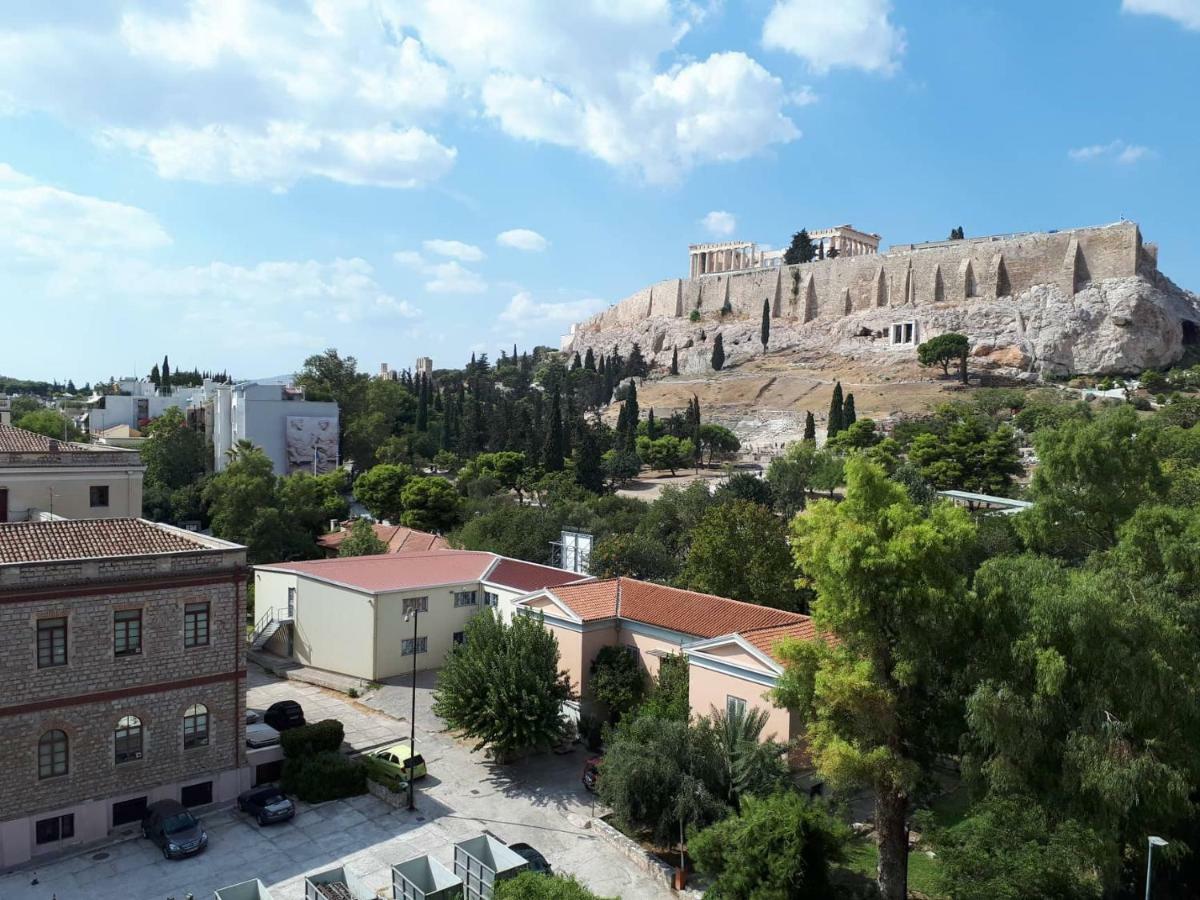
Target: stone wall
{"points": [[1095, 291]]}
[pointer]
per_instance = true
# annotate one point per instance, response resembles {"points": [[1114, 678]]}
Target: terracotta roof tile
{"points": [[18, 440], [765, 639], [590, 599], [22, 542], [526, 576], [399, 539]]}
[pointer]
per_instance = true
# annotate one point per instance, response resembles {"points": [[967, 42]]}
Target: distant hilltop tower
{"points": [[424, 365]]}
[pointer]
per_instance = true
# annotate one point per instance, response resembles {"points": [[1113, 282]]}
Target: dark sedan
{"points": [[537, 862], [267, 804], [170, 825]]}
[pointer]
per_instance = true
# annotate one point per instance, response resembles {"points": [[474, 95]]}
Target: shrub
{"points": [[694, 315], [323, 776], [308, 740], [535, 886], [617, 680]]}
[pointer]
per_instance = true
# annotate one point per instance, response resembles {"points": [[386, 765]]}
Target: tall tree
{"points": [[675, 361], [632, 413], [589, 360], [718, 353], [552, 455], [379, 489], [800, 250], [165, 375], [764, 333], [589, 472], [362, 541], [173, 453], [835, 422], [849, 416], [944, 350], [879, 701], [155, 375], [810, 427]]}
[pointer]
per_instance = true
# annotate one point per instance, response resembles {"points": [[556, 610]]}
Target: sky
{"points": [[242, 183]]}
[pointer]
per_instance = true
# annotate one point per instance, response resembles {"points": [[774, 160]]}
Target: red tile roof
{"points": [[23, 542], [414, 570], [18, 440], [688, 612], [398, 538]]}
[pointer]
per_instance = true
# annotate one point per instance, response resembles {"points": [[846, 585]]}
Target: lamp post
{"points": [[1152, 842], [414, 611]]}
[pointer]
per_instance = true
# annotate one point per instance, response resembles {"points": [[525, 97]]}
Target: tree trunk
{"points": [[891, 833], [963, 366]]}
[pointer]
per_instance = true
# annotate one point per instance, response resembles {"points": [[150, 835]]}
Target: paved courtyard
{"points": [[539, 801]]}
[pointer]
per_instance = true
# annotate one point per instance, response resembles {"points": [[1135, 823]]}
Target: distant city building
{"points": [[5, 410], [42, 476], [386, 373], [424, 365], [123, 660], [137, 403], [739, 256]]}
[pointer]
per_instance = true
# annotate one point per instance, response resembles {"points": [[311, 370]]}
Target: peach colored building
{"points": [[729, 645]]}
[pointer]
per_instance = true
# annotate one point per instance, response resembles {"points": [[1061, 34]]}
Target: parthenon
{"points": [[741, 256]]}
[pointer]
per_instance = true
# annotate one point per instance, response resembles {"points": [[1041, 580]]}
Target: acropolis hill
{"points": [[1086, 300]]}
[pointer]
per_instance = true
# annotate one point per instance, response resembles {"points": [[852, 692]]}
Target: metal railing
{"points": [[261, 625]]}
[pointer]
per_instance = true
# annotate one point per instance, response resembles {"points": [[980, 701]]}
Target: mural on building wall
{"points": [[312, 444]]}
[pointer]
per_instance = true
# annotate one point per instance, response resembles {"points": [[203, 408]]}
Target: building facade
{"points": [[123, 655], [137, 403], [41, 475], [346, 615]]}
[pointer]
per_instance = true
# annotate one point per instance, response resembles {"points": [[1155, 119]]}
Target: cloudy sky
{"points": [[240, 183]]}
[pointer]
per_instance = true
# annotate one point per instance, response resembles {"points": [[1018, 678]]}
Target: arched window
{"points": [[195, 726], [127, 739], [52, 754]]}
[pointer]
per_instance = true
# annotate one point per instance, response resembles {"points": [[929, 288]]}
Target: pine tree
{"points": [[552, 454], [155, 377], [675, 361], [589, 472], [718, 353], [801, 249], [576, 362], [635, 366], [589, 360], [810, 427], [765, 332], [165, 387], [848, 415], [423, 404], [836, 412]]}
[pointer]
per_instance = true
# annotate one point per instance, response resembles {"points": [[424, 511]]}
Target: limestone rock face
{"points": [[1115, 325]]}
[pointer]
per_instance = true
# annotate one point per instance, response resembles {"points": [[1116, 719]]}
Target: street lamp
{"points": [[413, 612], [1153, 841]]}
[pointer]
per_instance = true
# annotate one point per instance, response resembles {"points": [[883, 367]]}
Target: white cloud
{"points": [[1183, 12], [524, 310], [857, 34], [719, 223], [1114, 151], [522, 239], [442, 278], [453, 249]]}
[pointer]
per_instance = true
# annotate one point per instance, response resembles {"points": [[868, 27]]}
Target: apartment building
{"points": [[40, 474], [122, 655]]}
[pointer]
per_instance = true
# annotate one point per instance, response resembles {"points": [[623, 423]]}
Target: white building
{"points": [[138, 402]]}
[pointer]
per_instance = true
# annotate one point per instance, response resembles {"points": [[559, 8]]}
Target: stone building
{"points": [[122, 653], [739, 256], [40, 475]]}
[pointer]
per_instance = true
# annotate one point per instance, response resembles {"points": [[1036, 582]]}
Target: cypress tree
{"points": [[718, 353], [553, 451], [651, 426], [447, 440], [631, 418], [765, 332], [589, 473], [835, 422], [576, 362], [589, 360], [848, 415], [155, 377], [810, 427], [165, 387], [675, 361]]}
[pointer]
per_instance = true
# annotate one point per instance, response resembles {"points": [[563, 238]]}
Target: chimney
{"points": [[52, 446]]}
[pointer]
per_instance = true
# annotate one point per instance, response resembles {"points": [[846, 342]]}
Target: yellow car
{"points": [[395, 761]]}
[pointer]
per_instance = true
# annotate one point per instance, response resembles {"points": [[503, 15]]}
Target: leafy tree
{"points": [[944, 350], [522, 532], [790, 477], [381, 488], [617, 680], [632, 556], [836, 420], [828, 471], [739, 550], [673, 517], [311, 501], [539, 886], [362, 541], [718, 353], [244, 505], [50, 423], [800, 250], [430, 504], [777, 847], [675, 361], [327, 376], [502, 686], [810, 427], [764, 332], [174, 454], [621, 466], [878, 702], [666, 452], [744, 486], [668, 698], [1092, 473], [718, 440], [970, 456], [859, 436]]}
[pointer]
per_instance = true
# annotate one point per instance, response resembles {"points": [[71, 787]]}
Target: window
{"points": [[421, 604], [490, 599], [127, 632], [56, 828], [52, 754], [460, 637], [127, 739], [126, 811], [196, 794], [98, 495], [734, 706], [406, 648], [195, 625], [903, 333], [195, 726], [291, 609], [51, 642], [466, 598]]}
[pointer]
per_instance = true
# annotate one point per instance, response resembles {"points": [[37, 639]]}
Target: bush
{"points": [[694, 315], [534, 886], [309, 740], [380, 775], [323, 776], [617, 680]]}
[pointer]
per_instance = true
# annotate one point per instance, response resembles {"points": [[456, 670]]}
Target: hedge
{"points": [[308, 740], [323, 776]]}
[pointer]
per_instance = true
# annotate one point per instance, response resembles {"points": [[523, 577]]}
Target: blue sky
{"points": [[240, 183]]}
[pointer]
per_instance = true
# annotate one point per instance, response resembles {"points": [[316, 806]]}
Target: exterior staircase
{"points": [[267, 625], [264, 634]]}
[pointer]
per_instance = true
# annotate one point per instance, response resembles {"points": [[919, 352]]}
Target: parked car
{"points": [[591, 773], [395, 761], [260, 735], [172, 827], [537, 862], [267, 805], [284, 715]]}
